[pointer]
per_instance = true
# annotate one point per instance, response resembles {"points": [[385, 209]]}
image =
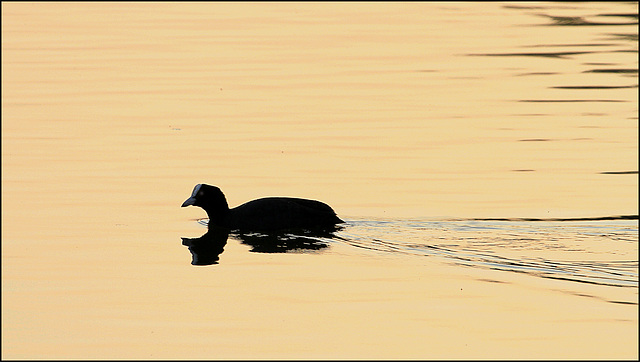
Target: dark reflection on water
{"points": [[570, 100], [605, 42], [577, 20], [533, 54], [206, 249], [583, 250], [299, 240], [629, 37], [580, 21], [536, 73], [599, 218], [619, 172], [594, 87], [285, 242], [614, 71]]}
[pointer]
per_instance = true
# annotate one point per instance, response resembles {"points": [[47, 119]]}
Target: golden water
{"points": [[409, 119]]}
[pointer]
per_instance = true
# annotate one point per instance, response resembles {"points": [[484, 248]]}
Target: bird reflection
{"points": [[302, 240], [206, 249]]}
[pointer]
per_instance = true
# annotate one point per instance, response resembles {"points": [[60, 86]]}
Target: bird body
{"points": [[265, 214]]}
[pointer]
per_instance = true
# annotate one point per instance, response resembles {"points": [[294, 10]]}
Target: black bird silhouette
{"points": [[265, 214]]}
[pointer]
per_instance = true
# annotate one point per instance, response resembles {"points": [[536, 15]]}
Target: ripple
{"points": [[619, 172], [587, 251], [580, 21]]}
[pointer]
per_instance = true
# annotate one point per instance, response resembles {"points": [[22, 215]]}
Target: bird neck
{"points": [[217, 216]]}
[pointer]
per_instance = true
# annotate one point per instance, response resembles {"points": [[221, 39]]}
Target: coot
{"points": [[265, 214]]}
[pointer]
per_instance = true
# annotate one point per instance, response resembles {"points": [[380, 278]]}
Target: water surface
{"points": [[484, 156]]}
